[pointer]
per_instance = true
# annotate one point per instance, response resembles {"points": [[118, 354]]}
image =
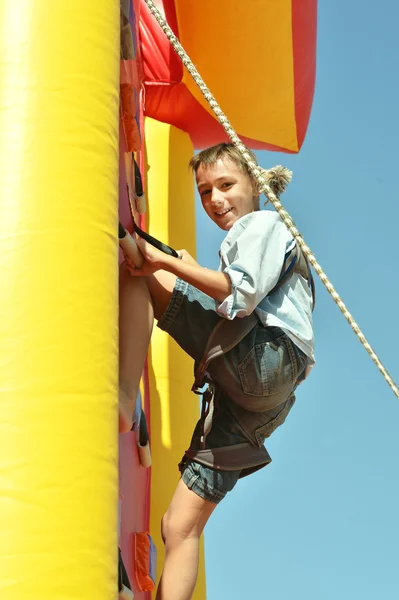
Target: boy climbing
{"points": [[262, 282]]}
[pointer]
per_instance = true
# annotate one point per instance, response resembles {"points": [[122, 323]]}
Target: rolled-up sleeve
{"points": [[252, 256]]}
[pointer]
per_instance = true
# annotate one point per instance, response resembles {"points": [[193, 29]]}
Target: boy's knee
{"points": [[168, 527], [174, 528]]}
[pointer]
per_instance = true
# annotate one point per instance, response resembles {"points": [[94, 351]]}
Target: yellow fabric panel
{"points": [[59, 71], [241, 49], [174, 408]]}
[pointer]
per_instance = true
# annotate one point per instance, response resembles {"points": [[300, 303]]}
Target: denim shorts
{"points": [[256, 380]]}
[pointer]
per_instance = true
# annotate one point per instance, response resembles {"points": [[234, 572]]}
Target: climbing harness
{"points": [[262, 177], [245, 456], [225, 336]]}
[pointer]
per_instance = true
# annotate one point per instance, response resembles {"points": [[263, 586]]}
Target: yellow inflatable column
{"points": [[174, 408], [59, 67]]}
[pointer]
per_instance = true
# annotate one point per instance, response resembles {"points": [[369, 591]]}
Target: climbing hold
{"points": [[124, 591], [125, 594], [143, 443], [129, 247]]}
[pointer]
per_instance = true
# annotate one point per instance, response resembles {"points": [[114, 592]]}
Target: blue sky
{"points": [[322, 521]]}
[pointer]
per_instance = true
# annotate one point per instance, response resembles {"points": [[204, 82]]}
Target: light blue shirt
{"points": [[252, 255]]}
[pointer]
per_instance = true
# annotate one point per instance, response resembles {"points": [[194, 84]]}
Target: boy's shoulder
{"points": [[260, 224], [258, 219]]}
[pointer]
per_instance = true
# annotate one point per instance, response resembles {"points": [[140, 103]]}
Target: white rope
{"points": [[257, 173]]}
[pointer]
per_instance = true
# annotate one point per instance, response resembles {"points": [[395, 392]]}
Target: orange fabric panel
{"points": [[244, 53]]}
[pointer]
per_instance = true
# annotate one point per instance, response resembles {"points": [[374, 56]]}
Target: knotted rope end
{"points": [[277, 178]]}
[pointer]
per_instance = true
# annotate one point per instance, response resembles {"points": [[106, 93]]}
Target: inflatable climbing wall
{"points": [[97, 116], [268, 112]]}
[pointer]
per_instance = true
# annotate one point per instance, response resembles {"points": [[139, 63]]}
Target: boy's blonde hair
{"points": [[277, 178], [209, 157]]}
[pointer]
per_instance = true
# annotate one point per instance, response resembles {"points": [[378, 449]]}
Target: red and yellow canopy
{"points": [[257, 58]]}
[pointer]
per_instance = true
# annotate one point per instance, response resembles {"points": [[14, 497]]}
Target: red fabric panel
{"points": [[129, 90], [169, 8], [160, 62], [304, 31]]}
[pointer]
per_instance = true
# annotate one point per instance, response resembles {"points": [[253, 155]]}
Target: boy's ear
{"points": [[255, 186]]}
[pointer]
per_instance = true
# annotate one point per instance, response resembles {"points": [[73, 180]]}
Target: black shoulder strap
{"points": [[296, 262]]}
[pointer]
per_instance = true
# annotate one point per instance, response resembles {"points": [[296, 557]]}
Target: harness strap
{"points": [[244, 457], [296, 262], [227, 334], [224, 337], [207, 410]]}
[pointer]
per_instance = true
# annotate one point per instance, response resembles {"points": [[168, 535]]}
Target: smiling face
{"points": [[226, 192]]}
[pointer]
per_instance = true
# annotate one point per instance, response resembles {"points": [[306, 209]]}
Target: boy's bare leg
{"points": [[136, 317], [182, 527]]}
